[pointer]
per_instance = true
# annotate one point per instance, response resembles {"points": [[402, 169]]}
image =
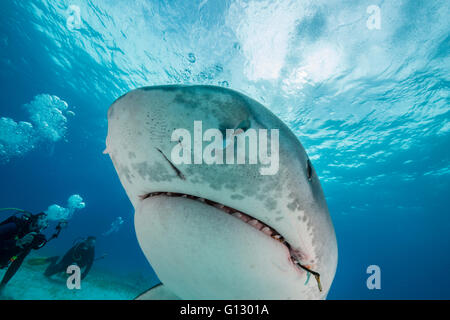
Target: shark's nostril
{"points": [[309, 170]]}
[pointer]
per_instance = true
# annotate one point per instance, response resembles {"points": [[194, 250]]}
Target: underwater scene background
{"points": [[368, 99]]}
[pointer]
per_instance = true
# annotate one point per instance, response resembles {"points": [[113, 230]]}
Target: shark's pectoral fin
{"points": [[158, 292]]}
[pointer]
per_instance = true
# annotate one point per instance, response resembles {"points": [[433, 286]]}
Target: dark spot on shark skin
{"points": [[294, 205], [206, 96], [125, 171], [230, 186], [279, 218], [182, 98], [141, 169], [231, 108], [215, 186], [237, 197], [224, 181], [229, 111], [270, 204], [156, 172], [131, 155], [250, 192], [261, 197]]}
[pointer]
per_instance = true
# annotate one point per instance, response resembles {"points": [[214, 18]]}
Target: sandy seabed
{"points": [[29, 283]]}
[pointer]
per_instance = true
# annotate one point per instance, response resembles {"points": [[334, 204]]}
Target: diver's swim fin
{"points": [[158, 292], [37, 261]]}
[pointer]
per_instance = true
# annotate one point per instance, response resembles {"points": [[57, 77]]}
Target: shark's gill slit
{"points": [[261, 226], [178, 172]]}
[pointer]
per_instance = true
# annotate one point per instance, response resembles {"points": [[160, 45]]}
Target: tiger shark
{"points": [[220, 231]]}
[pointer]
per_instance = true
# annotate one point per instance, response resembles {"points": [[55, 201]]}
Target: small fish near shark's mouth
{"points": [[255, 223]]}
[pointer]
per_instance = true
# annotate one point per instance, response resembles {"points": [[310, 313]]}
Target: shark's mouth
{"points": [[255, 223]]}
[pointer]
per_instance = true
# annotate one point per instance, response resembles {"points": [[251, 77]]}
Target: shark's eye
{"points": [[308, 170]]}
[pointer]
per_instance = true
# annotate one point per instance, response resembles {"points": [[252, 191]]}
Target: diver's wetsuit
{"points": [[81, 254], [11, 255]]}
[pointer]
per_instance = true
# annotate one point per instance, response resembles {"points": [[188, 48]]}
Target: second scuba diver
{"points": [[82, 254]]}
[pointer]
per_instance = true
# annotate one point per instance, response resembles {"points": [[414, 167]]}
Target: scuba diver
{"points": [[20, 235], [82, 254]]}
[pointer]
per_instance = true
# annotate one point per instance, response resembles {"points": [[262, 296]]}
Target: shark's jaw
{"points": [[294, 256], [254, 222]]}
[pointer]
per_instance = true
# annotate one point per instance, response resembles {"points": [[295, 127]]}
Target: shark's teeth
{"points": [[267, 231], [255, 223], [235, 213]]}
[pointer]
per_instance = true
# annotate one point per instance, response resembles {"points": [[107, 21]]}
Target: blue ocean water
{"points": [[368, 100]]}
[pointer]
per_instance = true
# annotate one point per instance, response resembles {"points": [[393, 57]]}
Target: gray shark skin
{"points": [[197, 249]]}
